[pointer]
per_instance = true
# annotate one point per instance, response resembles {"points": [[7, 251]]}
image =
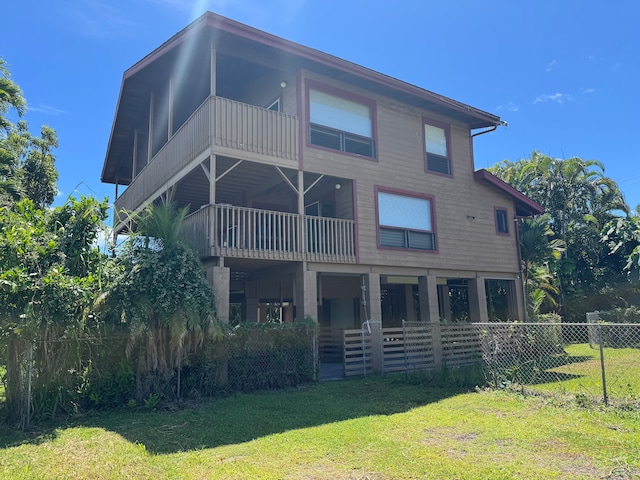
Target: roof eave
{"points": [[525, 207]]}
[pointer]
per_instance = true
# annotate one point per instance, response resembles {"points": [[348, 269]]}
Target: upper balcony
{"points": [[218, 126]]}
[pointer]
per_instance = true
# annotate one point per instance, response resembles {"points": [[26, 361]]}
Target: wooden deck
{"points": [[232, 231], [221, 126]]}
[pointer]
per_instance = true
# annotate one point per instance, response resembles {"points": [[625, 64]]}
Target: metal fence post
{"points": [[604, 378], [314, 354]]}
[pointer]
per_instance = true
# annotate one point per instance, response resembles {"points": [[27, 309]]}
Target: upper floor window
{"points": [[502, 223], [341, 124], [437, 147], [405, 221]]}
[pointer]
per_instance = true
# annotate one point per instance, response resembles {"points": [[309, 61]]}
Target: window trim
{"points": [[336, 92], [497, 209], [404, 193], [447, 134]]}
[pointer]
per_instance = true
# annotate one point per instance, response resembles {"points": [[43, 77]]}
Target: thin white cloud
{"points": [[99, 19], [616, 66], [587, 91], [551, 65], [47, 110], [559, 98], [509, 107]]}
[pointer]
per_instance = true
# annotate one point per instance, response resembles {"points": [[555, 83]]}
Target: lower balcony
{"points": [[241, 232]]}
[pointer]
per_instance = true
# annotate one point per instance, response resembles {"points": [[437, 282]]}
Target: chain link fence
{"points": [[45, 378], [592, 361]]}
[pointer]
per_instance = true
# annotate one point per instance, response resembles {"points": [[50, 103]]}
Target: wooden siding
{"points": [[231, 231], [218, 125], [464, 209]]}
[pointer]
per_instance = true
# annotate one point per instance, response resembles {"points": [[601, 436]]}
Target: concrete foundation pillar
{"points": [[478, 300], [306, 293], [517, 293], [219, 280], [372, 296], [430, 313], [251, 294], [410, 304], [374, 311]]}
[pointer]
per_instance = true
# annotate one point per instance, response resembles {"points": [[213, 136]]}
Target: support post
{"points": [[306, 293], [429, 314], [374, 310], [219, 278], [478, 300]]}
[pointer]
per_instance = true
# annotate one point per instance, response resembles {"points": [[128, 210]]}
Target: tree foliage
{"points": [[47, 285], [579, 201], [163, 298]]}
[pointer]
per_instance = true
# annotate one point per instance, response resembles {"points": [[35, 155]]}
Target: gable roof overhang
{"points": [[231, 37], [525, 207]]}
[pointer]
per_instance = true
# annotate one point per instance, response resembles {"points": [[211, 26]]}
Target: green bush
{"points": [[251, 357], [621, 336]]}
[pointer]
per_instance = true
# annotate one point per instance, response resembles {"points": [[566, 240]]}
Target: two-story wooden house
{"points": [[316, 187]]}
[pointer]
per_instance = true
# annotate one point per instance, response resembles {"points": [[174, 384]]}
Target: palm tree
{"points": [[163, 298], [536, 245], [538, 249], [10, 97]]}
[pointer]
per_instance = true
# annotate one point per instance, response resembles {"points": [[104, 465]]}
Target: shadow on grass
{"points": [[540, 371], [244, 417]]}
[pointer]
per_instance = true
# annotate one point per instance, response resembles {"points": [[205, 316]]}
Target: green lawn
{"points": [[581, 373], [378, 428]]}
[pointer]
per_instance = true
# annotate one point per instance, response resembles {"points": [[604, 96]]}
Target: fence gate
{"points": [[363, 349]]}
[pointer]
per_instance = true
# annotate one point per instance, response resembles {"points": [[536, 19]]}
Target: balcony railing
{"points": [[218, 122], [231, 231]]}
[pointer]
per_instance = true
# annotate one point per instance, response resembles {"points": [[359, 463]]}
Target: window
{"points": [[405, 222], [502, 224], [340, 124], [437, 147]]}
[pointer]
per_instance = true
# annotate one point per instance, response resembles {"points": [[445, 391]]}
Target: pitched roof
{"points": [[525, 207], [226, 34]]}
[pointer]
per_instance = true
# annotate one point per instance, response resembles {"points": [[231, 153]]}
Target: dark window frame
{"points": [[501, 216], [407, 232], [343, 138], [432, 158]]}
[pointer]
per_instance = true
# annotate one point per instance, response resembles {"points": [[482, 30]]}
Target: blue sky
{"points": [[564, 74]]}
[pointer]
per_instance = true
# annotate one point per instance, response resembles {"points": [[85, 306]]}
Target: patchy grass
{"points": [[378, 428]]}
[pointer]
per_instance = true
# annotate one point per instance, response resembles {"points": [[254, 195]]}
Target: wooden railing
{"points": [[253, 129], [217, 122], [232, 231]]}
